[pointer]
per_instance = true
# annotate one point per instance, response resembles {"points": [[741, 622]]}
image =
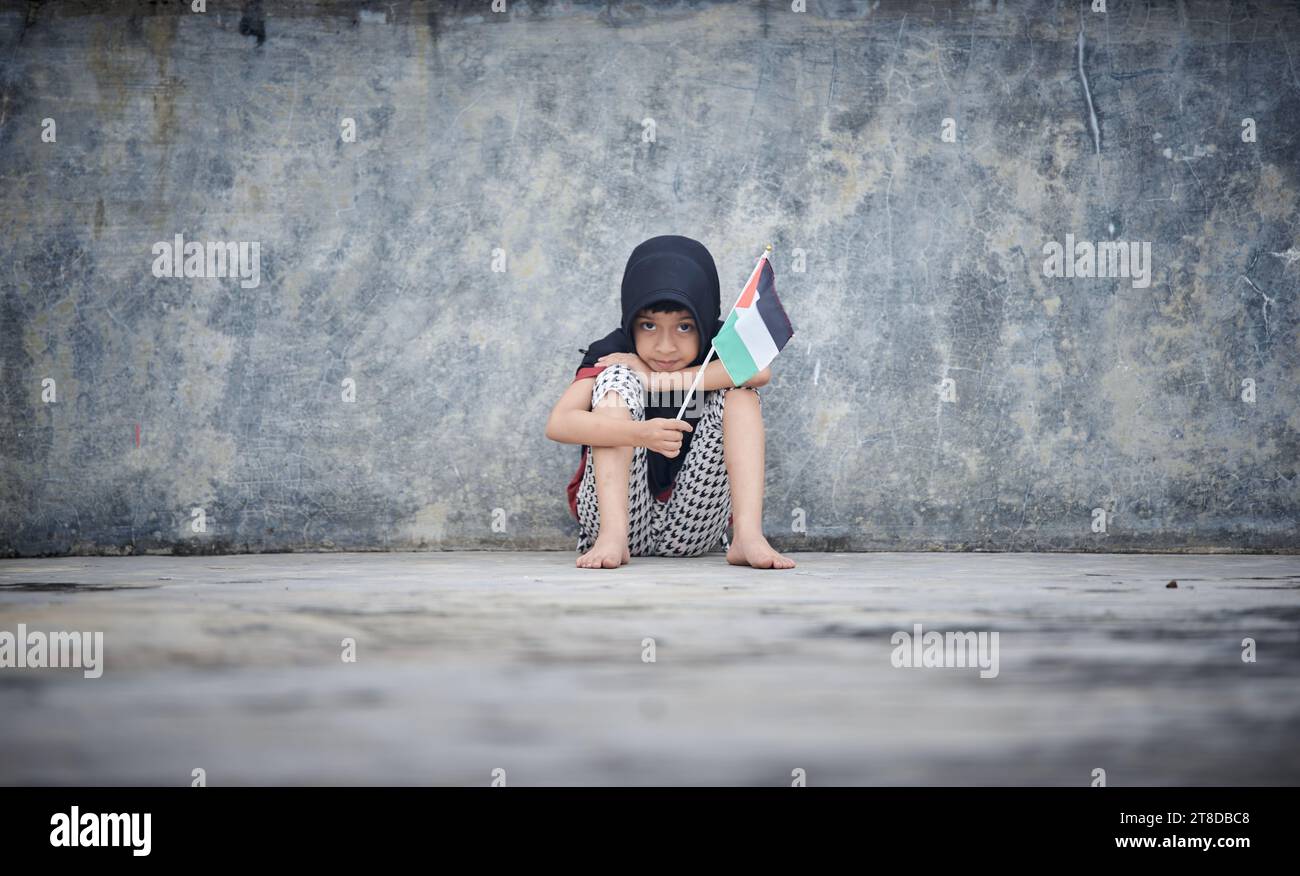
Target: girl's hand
{"points": [[664, 436], [631, 360]]}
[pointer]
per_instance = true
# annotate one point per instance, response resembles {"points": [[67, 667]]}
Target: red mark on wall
{"points": [[137, 434]]}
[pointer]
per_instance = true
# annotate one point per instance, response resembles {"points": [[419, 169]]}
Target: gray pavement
{"points": [[468, 662]]}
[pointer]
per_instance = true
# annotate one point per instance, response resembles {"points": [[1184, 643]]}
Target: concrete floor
{"points": [[473, 661]]}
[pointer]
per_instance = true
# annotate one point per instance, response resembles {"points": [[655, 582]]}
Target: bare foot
{"points": [[758, 553], [606, 553]]}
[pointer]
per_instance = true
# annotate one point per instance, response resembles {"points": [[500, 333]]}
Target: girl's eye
{"points": [[644, 324], [687, 326]]}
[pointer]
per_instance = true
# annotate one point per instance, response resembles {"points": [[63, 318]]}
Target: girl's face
{"points": [[666, 341]]}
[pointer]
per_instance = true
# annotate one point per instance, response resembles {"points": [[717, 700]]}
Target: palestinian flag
{"points": [[757, 328]]}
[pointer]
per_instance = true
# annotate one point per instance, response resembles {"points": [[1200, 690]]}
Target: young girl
{"points": [[648, 484]]}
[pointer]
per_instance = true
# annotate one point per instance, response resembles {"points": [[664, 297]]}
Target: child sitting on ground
{"points": [[648, 484]]}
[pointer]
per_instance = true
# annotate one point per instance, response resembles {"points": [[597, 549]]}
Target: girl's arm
{"points": [[716, 377], [573, 422]]}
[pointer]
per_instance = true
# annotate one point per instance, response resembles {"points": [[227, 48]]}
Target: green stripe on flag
{"points": [[732, 351]]}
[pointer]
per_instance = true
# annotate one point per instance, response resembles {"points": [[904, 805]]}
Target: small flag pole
{"points": [[767, 254]]}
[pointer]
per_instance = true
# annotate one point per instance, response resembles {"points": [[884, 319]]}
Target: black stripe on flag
{"points": [[770, 309]]}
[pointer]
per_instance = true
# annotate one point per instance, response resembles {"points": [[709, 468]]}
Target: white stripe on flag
{"points": [[753, 331]]}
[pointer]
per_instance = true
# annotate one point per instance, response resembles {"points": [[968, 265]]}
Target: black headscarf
{"points": [[674, 268], [669, 267]]}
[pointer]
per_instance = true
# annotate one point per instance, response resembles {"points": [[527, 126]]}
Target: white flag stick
{"points": [[767, 252], [698, 377]]}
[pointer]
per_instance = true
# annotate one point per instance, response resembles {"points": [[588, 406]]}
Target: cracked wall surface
{"points": [[942, 390]]}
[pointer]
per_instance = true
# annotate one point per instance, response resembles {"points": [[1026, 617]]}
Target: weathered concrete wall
{"points": [[522, 140]]}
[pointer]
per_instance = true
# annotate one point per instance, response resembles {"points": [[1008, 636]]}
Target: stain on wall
{"points": [[383, 386]]}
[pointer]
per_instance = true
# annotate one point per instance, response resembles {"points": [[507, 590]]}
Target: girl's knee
{"points": [[609, 400], [617, 374], [627, 391], [747, 395]]}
